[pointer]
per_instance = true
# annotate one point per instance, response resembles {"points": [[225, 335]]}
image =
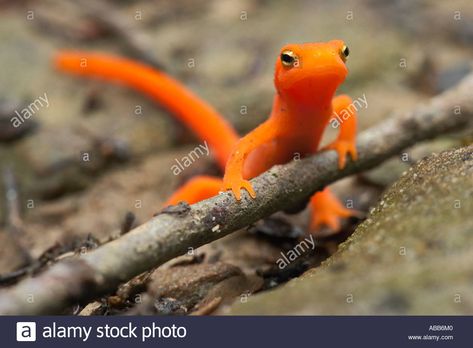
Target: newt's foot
{"points": [[236, 185], [343, 148], [327, 210], [330, 218]]}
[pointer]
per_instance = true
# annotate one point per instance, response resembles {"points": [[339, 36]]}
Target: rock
{"points": [[180, 289], [412, 255]]}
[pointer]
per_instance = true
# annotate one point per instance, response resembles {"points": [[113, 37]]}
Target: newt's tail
{"points": [[196, 114]]}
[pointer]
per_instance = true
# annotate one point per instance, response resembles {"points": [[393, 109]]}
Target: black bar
{"points": [[238, 332]]}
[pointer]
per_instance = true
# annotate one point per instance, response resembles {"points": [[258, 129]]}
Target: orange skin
{"points": [[302, 108]]}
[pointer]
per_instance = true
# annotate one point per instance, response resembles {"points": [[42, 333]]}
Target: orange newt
{"points": [[306, 79]]}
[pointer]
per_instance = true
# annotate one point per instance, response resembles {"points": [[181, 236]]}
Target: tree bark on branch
{"points": [[172, 233]]}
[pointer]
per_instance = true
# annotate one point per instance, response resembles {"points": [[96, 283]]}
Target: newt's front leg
{"points": [[346, 141], [326, 209], [233, 178]]}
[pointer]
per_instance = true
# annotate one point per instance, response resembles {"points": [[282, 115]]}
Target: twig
{"points": [[169, 235], [53, 254]]}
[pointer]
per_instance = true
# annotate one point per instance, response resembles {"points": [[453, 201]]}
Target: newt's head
{"points": [[306, 72]]}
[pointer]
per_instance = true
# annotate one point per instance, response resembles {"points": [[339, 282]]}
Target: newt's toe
{"points": [[331, 218], [236, 185], [343, 149]]}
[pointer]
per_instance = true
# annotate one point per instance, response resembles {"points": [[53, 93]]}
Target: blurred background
{"points": [[53, 201]]}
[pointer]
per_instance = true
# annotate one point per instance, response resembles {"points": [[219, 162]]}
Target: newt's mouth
{"points": [[322, 77], [329, 70]]}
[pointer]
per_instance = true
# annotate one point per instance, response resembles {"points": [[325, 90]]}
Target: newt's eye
{"points": [[289, 58], [344, 53]]}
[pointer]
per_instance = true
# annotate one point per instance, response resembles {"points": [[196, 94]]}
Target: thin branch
{"points": [[170, 234]]}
